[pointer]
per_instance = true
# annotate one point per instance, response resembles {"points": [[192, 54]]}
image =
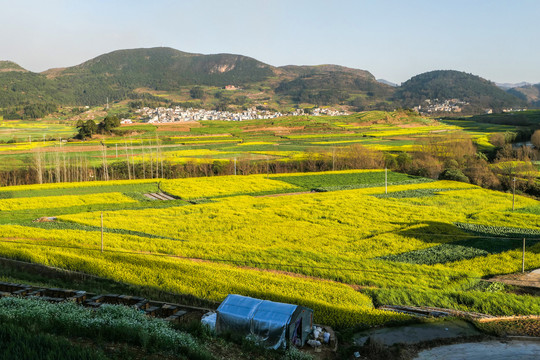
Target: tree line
{"points": [[449, 157]]}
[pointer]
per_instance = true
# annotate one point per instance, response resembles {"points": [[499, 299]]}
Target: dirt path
{"points": [[530, 279]]}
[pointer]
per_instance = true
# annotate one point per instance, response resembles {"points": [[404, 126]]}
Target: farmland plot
{"points": [[340, 252]]}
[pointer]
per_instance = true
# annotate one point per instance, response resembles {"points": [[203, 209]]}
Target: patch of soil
{"points": [[180, 126], [405, 126], [204, 136], [286, 194], [89, 115], [67, 149], [276, 129], [530, 279]]}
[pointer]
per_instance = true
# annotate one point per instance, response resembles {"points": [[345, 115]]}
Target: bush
{"points": [[453, 174]]}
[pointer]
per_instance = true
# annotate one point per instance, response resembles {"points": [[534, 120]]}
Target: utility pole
{"points": [[514, 193], [385, 180], [116, 150], [234, 166], [102, 232], [523, 258]]}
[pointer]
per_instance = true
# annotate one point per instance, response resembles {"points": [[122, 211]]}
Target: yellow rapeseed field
{"points": [[337, 252], [62, 201]]}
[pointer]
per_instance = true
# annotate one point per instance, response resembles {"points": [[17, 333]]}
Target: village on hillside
{"points": [[177, 114]]}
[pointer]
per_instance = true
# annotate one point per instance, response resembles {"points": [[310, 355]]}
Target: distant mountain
{"points": [[506, 86], [450, 84], [386, 82], [324, 84], [7, 66], [166, 69], [19, 86], [529, 93]]}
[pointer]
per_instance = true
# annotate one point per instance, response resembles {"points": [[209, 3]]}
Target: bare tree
{"points": [[57, 164], [105, 175], [38, 163], [127, 160]]}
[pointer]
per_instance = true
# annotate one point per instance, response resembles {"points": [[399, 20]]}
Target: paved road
{"points": [[416, 333], [492, 350]]}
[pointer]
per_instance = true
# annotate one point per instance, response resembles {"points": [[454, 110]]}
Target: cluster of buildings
{"points": [[438, 106], [177, 114], [328, 112], [450, 106]]}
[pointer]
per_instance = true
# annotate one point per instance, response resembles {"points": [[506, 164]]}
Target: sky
{"points": [[393, 39]]}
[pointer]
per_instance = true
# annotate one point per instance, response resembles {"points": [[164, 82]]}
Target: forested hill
{"points": [[450, 84], [529, 93], [6, 66], [168, 69], [117, 74], [332, 84]]}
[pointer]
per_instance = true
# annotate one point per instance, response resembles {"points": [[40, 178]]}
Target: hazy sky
{"points": [[393, 39]]}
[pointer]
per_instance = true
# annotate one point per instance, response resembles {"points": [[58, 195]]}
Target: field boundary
{"points": [[63, 274], [510, 318]]}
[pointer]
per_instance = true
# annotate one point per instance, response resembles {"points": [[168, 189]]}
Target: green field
{"points": [[282, 139], [341, 251]]}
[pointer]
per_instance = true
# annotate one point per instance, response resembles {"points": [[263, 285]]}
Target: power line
{"points": [[401, 232], [473, 236]]}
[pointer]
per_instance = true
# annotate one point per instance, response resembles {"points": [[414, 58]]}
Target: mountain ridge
{"points": [[118, 75]]}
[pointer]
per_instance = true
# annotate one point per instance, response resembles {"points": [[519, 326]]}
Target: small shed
{"points": [[275, 324]]}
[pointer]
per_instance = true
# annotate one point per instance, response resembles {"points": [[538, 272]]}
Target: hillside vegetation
{"points": [[449, 84], [529, 93], [166, 75]]}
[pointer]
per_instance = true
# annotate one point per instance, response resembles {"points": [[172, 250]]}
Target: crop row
{"points": [[350, 180], [487, 230], [193, 188], [334, 304], [62, 201], [111, 322], [17, 342], [126, 188], [71, 185]]}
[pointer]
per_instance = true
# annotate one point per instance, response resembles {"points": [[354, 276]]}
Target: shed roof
{"points": [[261, 310], [266, 319]]}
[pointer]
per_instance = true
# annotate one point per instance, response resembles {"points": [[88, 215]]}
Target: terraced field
{"points": [[282, 139], [341, 250]]}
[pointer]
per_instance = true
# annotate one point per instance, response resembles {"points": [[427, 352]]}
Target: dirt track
{"points": [[530, 279]]}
